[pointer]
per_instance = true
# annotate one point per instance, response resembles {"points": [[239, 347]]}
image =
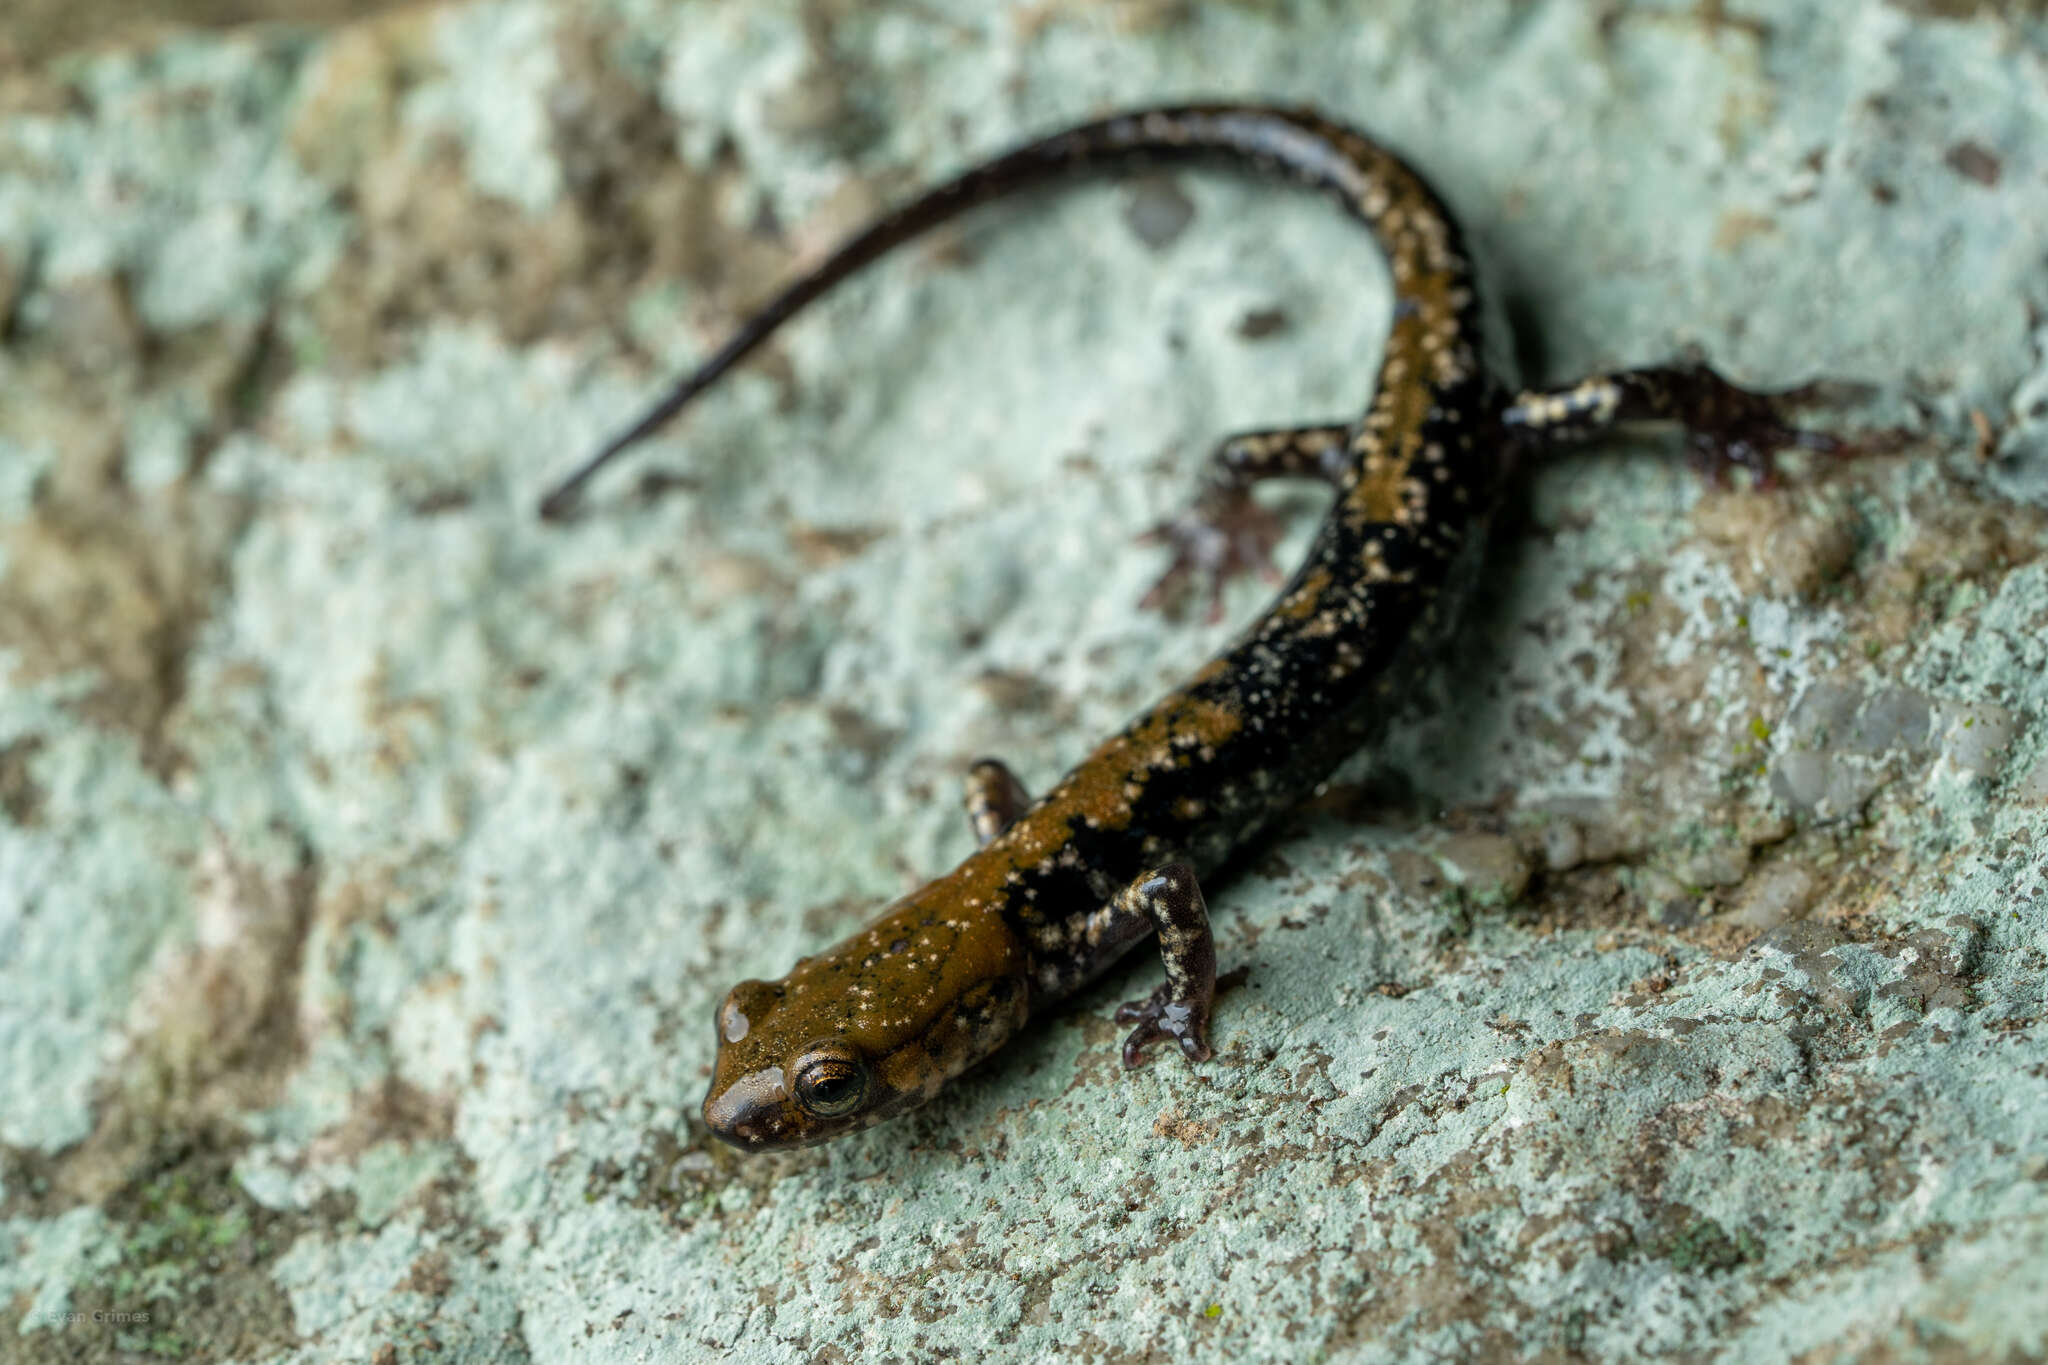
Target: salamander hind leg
{"points": [[1725, 424], [995, 798], [1225, 534], [1171, 903]]}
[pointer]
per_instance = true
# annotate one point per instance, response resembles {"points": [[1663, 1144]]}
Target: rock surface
{"points": [[372, 855]]}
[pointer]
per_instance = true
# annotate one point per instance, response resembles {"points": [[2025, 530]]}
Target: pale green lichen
{"points": [[544, 792]]}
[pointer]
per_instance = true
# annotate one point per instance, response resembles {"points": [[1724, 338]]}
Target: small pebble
{"points": [[1780, 892], [1564, 843], [1975, 739], [1158, 211], [1489, 866]]}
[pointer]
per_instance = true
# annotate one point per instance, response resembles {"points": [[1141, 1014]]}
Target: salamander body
{"points": [[1064, 885]]}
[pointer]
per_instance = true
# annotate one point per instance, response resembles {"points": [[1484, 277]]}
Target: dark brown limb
{"points": [[995, 798], [1171, 903], [1725, 424]]}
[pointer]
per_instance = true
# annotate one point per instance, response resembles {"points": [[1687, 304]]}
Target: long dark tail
{"points": [[1299, 144]]}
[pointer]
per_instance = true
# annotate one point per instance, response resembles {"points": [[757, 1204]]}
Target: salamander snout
{"points": [[823, 1092]]}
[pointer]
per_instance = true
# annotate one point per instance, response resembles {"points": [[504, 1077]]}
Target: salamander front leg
{"points": [[995, 798], [1225, 533], [1725, 424], [1170, 903]]}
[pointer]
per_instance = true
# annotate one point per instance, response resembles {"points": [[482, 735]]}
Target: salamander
{"points": [[1062, 886]]}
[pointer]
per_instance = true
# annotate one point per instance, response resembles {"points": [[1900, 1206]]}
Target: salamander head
{"points": [[870, 1029], [767, 1095]]}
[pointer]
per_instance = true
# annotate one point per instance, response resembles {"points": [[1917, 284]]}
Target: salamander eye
{"points": [[831, 1086]]}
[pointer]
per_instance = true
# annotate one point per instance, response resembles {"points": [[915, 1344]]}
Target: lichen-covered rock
{"points": [[1671, 982]]}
